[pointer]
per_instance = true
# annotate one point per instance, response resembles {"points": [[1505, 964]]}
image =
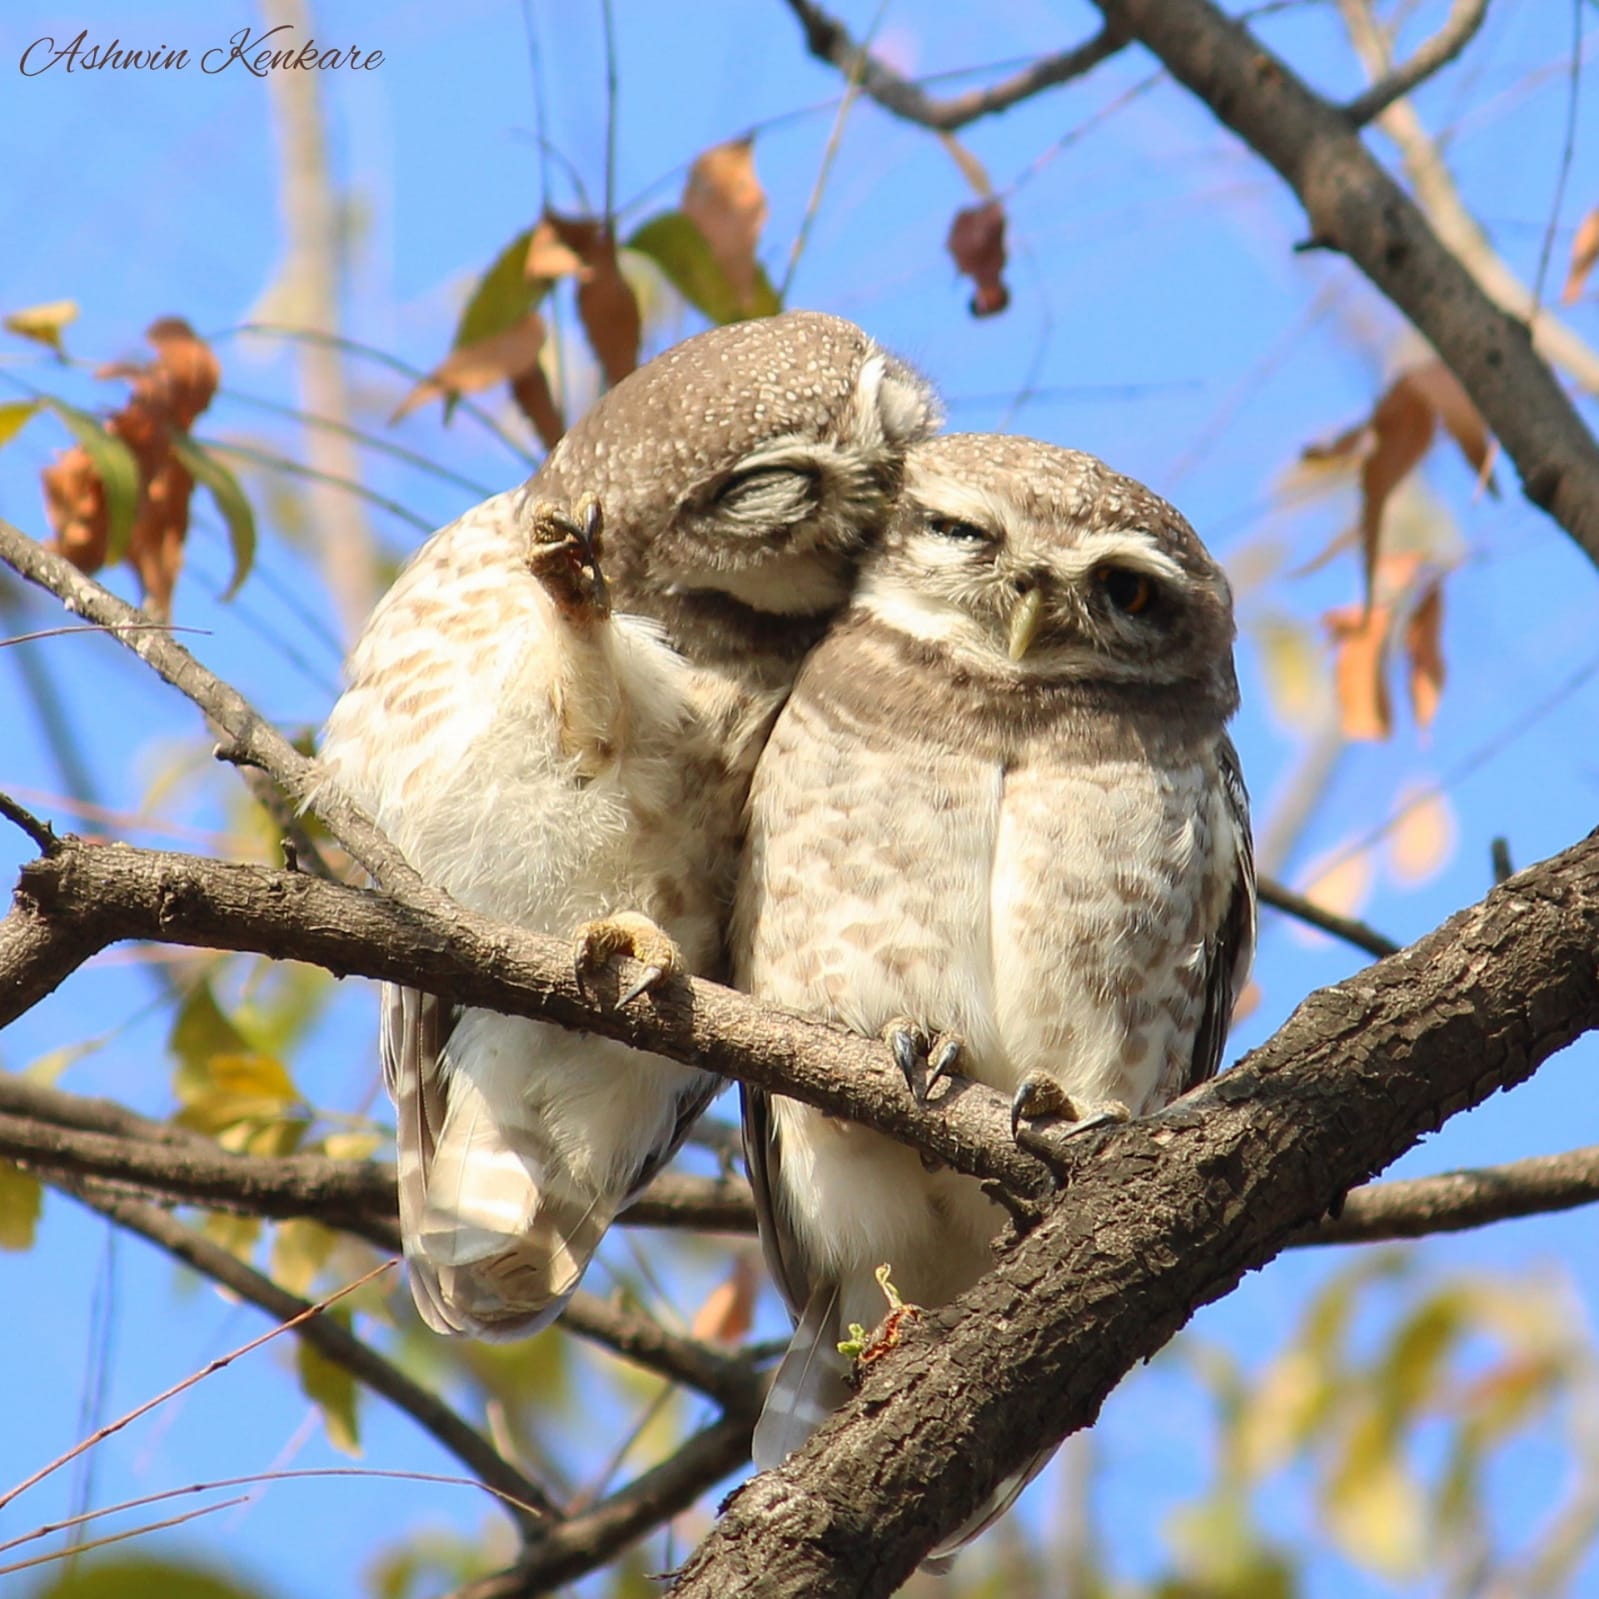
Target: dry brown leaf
{"points": [[169, 393], [502, 357], [724, 199], [1359, 633], [729, 1308], [605, 300], [1424, 653], [977, 242], [75, 503], [548, 255], [531, 391], [1584, 252]]}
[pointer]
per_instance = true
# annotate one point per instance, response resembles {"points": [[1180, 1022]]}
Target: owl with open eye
{"points": [[554, 714], [1000, 811]]}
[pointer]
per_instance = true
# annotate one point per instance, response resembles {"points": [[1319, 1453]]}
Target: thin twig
{"points": [[1309, 912], [1460, 27], [40, 832], [329, 1337], [828, 40], [73, 1550]]}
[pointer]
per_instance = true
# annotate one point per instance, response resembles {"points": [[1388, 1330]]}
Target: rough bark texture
{"points": [[1159, 1218], [1356, 208]]}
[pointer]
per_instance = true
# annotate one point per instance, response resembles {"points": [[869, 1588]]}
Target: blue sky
{"points": [[1160, 319]]}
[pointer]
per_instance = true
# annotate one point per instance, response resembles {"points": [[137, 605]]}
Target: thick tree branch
{"points": [[1459, 29], [828, 40], [48, 1130], [324, 1334], [252, 740], [1160, 1217], [84, 897], [589, 1539], [1355, 207]]}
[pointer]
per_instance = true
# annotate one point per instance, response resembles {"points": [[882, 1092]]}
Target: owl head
{"points": [[741, 472], [1039, 564]]}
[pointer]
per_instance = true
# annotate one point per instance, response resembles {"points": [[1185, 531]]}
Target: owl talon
{"points": [[564, 555], [626, 933], [1040, 1097], [911, 1047]]}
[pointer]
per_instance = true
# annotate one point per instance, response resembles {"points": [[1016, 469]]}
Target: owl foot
{"points": [[626, 933], [923, 1061], [1041, 1097], [564, 555]]}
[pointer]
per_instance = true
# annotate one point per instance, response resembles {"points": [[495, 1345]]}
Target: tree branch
{"points": [[828, 40], [1355, 207], [327, 1336], [85, 897], [253, 741], [1161, 1216], [1459, 29], [1352, 931]]}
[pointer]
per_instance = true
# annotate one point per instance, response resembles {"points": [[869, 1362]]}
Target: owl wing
{"points": [[1231, 946]]}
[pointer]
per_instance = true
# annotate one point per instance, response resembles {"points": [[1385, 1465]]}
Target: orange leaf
{"points": [[185, 370], [729, 1308], [605, 300], [1402, 429], [1424, 652], [977, 242], [1422, 838], [1359, 634], [503, 356], [725, 201], [75, 503], [156, 546], [1584, 252]]}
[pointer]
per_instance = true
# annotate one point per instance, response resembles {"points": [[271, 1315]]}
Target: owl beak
{"points": [[1025, 621]]}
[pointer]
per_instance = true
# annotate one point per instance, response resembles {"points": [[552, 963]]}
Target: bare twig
{"points": [[828, 40], [1348, 928], [1459, 29], [39, 831], [327, 1336]]}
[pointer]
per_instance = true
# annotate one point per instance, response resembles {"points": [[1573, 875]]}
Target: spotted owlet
{"points": [[568, 745], [999, 808]]}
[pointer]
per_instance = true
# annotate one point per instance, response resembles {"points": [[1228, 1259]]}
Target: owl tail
{"points": [[502, 1231], [810, 1385], [987, 1513]]}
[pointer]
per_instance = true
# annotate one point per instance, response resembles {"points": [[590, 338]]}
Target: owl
{"points": [[554, 714], [999, 810]]}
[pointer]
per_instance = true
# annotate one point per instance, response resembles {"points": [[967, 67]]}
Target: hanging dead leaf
{"points": [[1423, 643], [1584, 252], [605, 300], [1398, 434], [977, 242], [724, 199], [729, 1308], [155, 548], [1359, 634], [548, 254], [185, 372], [501, 357], [75, 503], [534, 399]]}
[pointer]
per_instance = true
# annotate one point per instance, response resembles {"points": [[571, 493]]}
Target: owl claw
{"points": [[564, 555], [908, 1044], [626, 933], [1040, 1096]]}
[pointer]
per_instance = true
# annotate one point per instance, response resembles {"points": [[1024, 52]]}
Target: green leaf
{"points": [[676, 245], [43, 323], [229, 500], [117, 470], [503, 296], [14, 415], [332, 1389], [21, 1200], [133, 1577]]}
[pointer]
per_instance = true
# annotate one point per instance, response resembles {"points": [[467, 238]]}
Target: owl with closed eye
{"points": [[999, 810], [554, 714]]}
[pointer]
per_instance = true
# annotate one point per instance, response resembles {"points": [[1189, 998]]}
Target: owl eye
{"points": [[952, 527], [1132, 593]]}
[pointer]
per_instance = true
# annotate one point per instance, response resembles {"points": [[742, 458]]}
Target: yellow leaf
{"points": [[14, 416], [332, 1389], [350, 1146], [1294, 679], [300, 1249], [21, 1200], [1375, 1509], [236, 1234], [43, 323]]}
